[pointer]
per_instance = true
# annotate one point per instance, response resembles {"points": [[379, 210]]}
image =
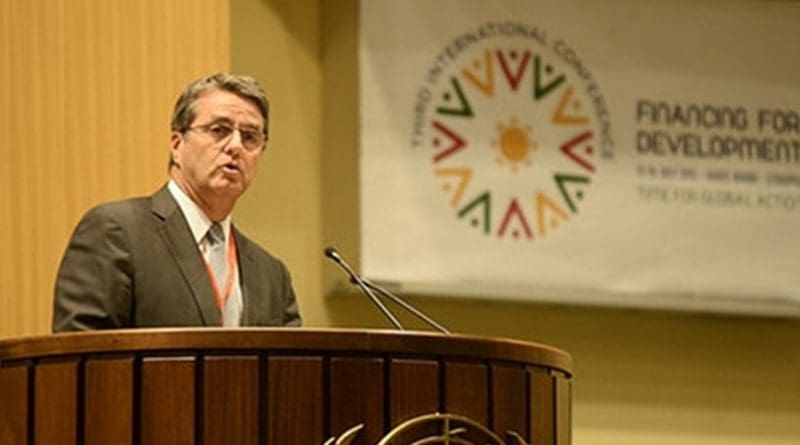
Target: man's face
{"points": [[210, 168]]}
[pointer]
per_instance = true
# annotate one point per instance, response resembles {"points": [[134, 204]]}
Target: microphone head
{"points": [[331, 253]]}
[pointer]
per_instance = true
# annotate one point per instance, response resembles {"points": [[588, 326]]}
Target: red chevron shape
{"points": [[569, 149], [457, 143], [514, 78], [514, 211]]}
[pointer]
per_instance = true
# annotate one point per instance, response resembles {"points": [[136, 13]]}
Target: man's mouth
{"points": [[230, 167]]}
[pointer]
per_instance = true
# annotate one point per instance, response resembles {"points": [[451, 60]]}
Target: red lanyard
{"points": [[218, 295]]}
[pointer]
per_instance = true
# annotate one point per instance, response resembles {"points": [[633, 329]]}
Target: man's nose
{"points": [[235, 144]]}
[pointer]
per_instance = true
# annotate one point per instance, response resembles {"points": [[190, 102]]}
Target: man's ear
{"points": [[175, 143]]}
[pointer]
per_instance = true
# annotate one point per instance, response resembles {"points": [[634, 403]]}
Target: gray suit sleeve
{"points": [[291, 315], [94, 284]]}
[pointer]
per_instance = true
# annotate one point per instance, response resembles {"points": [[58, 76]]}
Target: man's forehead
{"points": [[221, 104]]}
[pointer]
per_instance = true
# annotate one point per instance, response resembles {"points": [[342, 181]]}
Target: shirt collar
{"points": [[198, 222]]}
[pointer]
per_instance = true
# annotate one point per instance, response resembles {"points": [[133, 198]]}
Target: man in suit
{"points": [[174, 258]]}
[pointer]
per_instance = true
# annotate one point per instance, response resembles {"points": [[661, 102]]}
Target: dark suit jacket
{"points": [[134, 263]]}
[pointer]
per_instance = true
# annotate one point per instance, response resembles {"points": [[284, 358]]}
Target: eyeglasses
{"points": [[221, 132]]}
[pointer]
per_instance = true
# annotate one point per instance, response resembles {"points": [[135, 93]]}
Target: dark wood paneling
{"points": [[509, 400], [563, 409], [542, 403], [230, 400], [108, 401], [304, 385], [168, 400], [56, 402], [413, 389], [356, 397], [14, 403], [295, 400], [466, 390]]}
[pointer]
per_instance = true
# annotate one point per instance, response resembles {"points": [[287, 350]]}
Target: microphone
{"points": [[367, 286], [406, 305], [331, 253]]}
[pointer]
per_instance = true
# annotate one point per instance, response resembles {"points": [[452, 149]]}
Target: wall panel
{"points": [[87, 88]]}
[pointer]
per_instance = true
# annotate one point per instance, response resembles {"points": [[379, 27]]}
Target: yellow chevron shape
{"points": [[464, 175], [567, 110], [544, 203], [487, 86]]}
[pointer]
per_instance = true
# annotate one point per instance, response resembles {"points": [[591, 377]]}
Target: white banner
{"points": [[615, 152]]}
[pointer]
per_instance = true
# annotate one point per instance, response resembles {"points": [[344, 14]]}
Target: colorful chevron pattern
{"points": [[513, 118]]}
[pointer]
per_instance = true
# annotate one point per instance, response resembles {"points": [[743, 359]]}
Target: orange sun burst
{"points": [[515, 145]]}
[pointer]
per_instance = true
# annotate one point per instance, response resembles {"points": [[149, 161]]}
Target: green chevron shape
{"points": [[539, 90], [484, 200], [561, 179], [465, 110]]}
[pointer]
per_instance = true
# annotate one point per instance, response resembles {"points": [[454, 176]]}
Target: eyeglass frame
{"points": [[207, 130]]}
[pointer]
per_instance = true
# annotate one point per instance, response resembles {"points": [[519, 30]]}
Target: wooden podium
{"points": [[281, 386]]}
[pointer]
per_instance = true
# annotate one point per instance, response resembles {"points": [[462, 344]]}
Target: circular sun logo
{"points": [[515, 145], [515, 132]]}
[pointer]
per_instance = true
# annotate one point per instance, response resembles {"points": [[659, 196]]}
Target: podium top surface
{"points": [[291, 340]]}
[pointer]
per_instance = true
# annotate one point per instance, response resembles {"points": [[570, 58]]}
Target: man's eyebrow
{"points": [[219, 118], [228, 120], [214, 120]]}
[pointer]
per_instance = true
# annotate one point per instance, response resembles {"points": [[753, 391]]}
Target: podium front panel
{"points": [[508, 388], [231, 388], [108, 401], [281, 386], [56, 396], [168, 400], [295, 392], [14, 421]]}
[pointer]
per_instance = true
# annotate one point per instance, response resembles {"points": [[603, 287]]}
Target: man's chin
{"points": [[232, 189]]}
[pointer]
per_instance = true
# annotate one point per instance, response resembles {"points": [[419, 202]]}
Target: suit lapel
{"points": [[178, 238], [247, 275]]}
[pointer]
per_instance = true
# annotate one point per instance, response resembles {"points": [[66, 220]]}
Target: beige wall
{"points": [[279, 43], [86, 90], [641, 377], [85, 93]]}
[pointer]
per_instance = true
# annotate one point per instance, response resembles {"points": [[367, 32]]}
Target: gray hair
{"points": [[245, 87]]}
